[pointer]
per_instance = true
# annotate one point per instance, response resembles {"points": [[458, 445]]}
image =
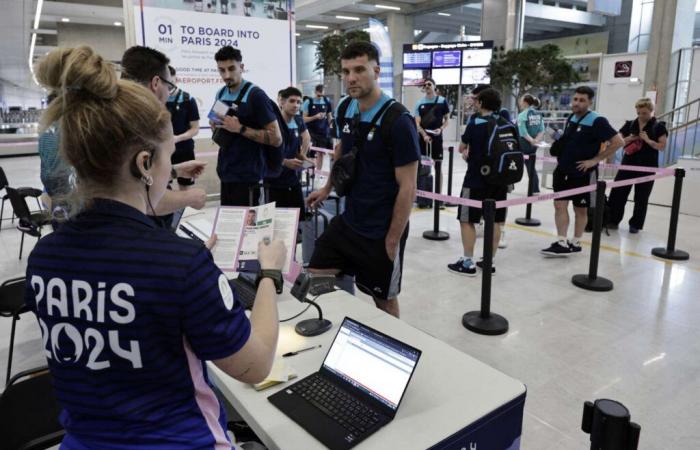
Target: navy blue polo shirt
{"points": [[129, 312], [292, 147], [476, 136], [242, 162], [586, 136], [183, 110], [314, 106], [370, 203], [431, 120]]}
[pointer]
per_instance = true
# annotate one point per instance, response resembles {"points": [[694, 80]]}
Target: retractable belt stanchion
{"points": [[670, 251], [528, 221], [435, 234], [450, 170], [591, 281], [484, 321]]}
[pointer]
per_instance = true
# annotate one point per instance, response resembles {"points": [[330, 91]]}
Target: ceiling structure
{"points": [[543, 18]]}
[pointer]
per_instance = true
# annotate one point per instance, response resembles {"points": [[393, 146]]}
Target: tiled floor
{"points": [[638, 344]]}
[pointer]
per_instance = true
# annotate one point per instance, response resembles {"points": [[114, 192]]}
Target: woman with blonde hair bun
{"points": [[129, 311]]}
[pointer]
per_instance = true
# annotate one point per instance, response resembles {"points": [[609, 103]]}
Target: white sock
{"points": [[575, 241], [466, 256], [561, 239]]}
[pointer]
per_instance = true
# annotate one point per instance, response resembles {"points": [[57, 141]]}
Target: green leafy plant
{"points": [[531, 69], [330, 47]]}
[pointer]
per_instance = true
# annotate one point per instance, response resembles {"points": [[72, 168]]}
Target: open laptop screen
{"points": [[372, 362]]}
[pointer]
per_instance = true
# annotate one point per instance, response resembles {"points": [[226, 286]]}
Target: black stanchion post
{"points": [[528, 221], [591, 281], [670, 251], [450, 170], [435, 234], [484, 321]]}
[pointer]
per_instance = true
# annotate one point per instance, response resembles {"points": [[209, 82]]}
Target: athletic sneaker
{"points": [[463, 266], [480, 265], [634, 230], [574, 247], [503, 243], [556, 250]]}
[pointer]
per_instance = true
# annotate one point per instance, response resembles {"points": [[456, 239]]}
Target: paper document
{"points": [[228, 227], [285, 229], [281, 372], [259, 225]]}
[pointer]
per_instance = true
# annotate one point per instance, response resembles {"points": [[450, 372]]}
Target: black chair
{"points": [[29, 412], [29, 223], [12, 305], [24, 192]]}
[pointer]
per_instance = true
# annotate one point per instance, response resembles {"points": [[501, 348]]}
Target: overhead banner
{"points": [[191, 32], [380, 38]]}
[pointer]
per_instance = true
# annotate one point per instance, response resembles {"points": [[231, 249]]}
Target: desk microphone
{"points": [[314, 284]]}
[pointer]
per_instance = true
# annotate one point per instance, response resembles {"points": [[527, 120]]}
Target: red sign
{"points": [[623, 69]]}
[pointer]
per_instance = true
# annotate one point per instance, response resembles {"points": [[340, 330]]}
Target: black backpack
{"points": [[272, 156], [503, 161]]}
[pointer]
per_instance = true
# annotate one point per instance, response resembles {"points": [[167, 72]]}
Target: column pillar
{"points": [[401, 32], [671, 29], [502, 21]]}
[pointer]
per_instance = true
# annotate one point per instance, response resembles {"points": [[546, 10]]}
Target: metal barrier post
{"points": [[450, 170], [591, 281], [528, 221], [484, 321], [435, 234], [670, 251]]}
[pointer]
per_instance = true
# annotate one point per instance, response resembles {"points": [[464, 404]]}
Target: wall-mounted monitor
{"points": [[475, 75], [415, 77], [447, 58], [446, 76], [476, 57], [418, 60]]}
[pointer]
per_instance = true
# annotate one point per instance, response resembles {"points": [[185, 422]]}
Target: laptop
{"points": [[357, 390]]}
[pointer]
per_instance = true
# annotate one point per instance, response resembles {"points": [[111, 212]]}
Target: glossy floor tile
{"points": [[638, 344]]}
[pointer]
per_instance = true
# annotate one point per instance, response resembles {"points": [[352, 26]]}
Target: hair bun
{"points": [[78, 69]]}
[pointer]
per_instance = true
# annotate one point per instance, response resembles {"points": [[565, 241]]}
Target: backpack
{"points": [[173, 106], [503, 162], [343, 170], [272, 156]]}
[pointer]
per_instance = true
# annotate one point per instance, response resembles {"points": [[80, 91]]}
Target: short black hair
{"points": [[585, 90], [291, 91], [431, 80], [141, 64], [172, 71], [319, 88], [490, 99], [228, 53], [480, 88], [358, 49]]}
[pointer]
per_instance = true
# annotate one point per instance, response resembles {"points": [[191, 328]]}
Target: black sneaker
{"points": [[480, 265], [575, 248], [556, 250], [463, 266]]}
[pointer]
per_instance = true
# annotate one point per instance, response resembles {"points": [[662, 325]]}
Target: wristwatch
{"points": [[173, 173], [242, 130], [274, 275]]}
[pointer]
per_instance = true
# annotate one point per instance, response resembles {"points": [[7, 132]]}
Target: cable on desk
{"points": [[305, 309]]}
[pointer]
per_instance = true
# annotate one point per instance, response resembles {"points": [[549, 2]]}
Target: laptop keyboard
{"points": [[245, 291], [344, 409]]}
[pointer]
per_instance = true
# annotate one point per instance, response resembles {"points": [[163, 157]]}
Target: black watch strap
{"points": [[274, 275], [173, 173], [242, 130]]}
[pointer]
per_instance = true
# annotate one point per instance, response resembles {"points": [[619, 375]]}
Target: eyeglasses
{"points": [[172, 87]]}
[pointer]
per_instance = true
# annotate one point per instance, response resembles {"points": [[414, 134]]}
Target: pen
{"points": [[288, 354], [190, 234]]}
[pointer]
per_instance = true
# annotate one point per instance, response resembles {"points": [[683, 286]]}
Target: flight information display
{"points": [[415, 77], [475, 75], [477, 57], [450, 58], [420, 60], [446, 76]]}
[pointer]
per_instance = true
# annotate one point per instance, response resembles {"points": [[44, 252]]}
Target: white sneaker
{"points": [[503, 243], [479, 229]]}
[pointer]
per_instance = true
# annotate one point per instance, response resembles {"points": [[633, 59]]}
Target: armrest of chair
{"points": [[12, 280], [27, 373], [45, 441], [29, 192]]}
